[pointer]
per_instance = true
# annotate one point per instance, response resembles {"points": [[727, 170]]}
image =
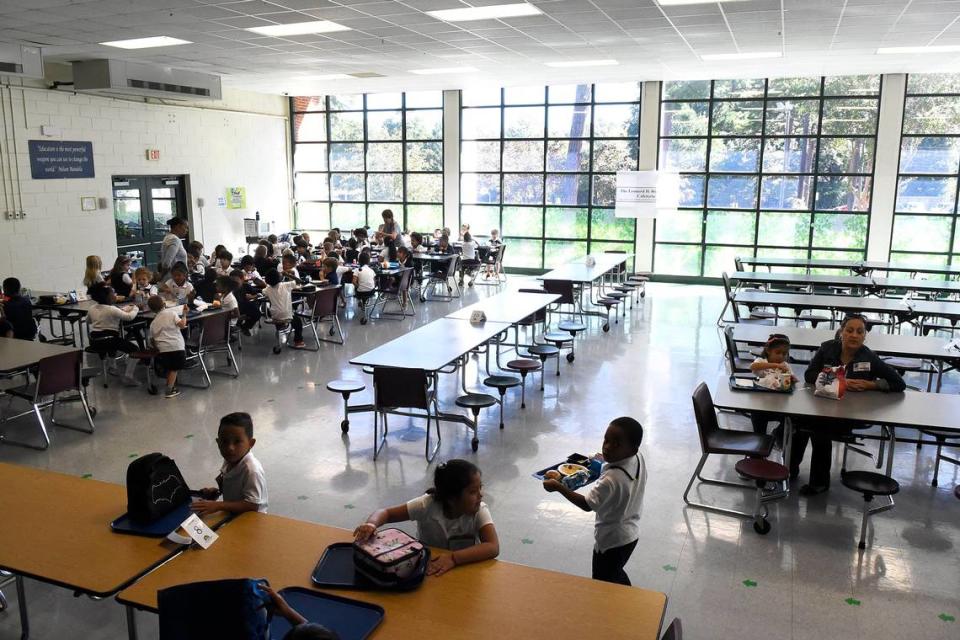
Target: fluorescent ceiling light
{"points": [[299, 28], [676, 3], [583, 63], [753, 55], [432, 72], [329, 76], [939, 48], [485, 13], [146, 43]]}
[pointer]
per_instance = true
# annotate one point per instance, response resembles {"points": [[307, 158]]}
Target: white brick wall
{"points": [[46, 250]]}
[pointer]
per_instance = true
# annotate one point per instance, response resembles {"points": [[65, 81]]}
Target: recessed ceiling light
{"points": [[674, 3], [432, 72], [937, 48], [485, 13], [583, 63], [299, 28], [752, 55], [146, 43]]}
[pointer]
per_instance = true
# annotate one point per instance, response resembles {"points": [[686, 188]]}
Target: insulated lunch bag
{"points": [[391, 559], [155, 487]]}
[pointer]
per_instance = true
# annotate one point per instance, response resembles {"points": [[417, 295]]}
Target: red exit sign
{"points": [[153, 154]]}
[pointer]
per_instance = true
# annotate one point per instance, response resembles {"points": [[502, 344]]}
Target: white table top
{"points": [[912, 409], [885, 344], [849, 303], [432, 346], [510, 306], [16, 355], [579, 271], [940, 286], [855, 265]]}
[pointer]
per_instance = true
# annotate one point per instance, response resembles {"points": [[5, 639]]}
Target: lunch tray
{"points": [[156, 529], [757, 387], [573, 458], [335, 570], [349, 619]]}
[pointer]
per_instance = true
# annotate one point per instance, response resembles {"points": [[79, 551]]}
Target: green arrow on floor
{"points": [[348, 506], [87, 476], [189, 435], [749, 583], [853, 602], [946, 617], [669, 567], [526, 541], [302, 497]]}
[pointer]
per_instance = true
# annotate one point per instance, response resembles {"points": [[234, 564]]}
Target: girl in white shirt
{"points": [[774, 357], [228, 302], [469, 263], [104, 319], [451, 515]]}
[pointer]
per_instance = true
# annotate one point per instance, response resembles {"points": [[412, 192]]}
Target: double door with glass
{"points": [[142, 205]]}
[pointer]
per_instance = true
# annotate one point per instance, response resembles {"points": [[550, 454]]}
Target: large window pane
{"points": [[840, 230], [716, 260], [347, 187], [425, 187], [384, 125], [568, 155], [926, 195], [417, 99], [793, 87], [522, 189], [932, 114], [480, 187], [692, 190], [480, 218], [792, 118], [616, 120], [741, 155], [480, 123], [731, 227], [560, 253], [346, 157], [931, 154], [846, 155], [851, 85], [479, 156], [523, 221], [384, 100], [615, 155], [346, 126], [310, 127], [523, 122], [921, 233], [569, 122], [385, 187], [384, 156], [677, 259], [346, 102], [604, 225], [732, 192], [786, 192], [311, 186], [425, 217], [523, 155], [425, 156], [789, 155], [737, 118], [310, 157], [685, 119], [566, 223], [523, 254], [686, 89], [604, 190], [425, 125], [568, 93], [785, 229], [347, 216], [683, 154], [313, 215], [849, 117], [568, 189], [680, 226], [843, 193], [617, 92]]}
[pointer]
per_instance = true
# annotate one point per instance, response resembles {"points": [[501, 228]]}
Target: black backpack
{"points": [[235, 609], [155, 487]]}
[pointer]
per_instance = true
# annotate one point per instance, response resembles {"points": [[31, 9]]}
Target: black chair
{"points": [[442, 278], [736, 363], [55, 375], [674, 631], [717, 441], [757, 316], [212, 338], [321, 306], [397, 291], [943, 438], [400, 388], [870, 484]]}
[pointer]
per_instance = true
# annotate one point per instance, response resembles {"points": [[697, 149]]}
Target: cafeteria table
{"points": [[863, 284], [586, 275], [902, 309], [856, 266]]}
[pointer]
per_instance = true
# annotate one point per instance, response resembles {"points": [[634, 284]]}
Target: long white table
{"points": [[582, 275], [510, 306], [861, 283], [856, 266], [857, 304]]}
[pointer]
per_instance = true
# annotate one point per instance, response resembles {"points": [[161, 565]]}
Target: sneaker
{"points": [[246, 331], [172, 392], [299, 344]]}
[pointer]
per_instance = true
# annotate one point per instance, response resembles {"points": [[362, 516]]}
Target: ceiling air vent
{"points": [[20, 60], [121, 78]]}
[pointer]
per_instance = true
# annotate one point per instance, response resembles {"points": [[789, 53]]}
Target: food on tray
{"points": [[570, 469], [552, 474]]}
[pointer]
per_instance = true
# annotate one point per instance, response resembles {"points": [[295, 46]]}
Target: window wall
{"points": [[780, 167], [925, 212], [540, 163], [355, 155]]}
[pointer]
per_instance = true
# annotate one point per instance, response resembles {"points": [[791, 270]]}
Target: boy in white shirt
{"points": [[616, 498], [167, 338], [178, 285], [280, 295], [241, 482], [228, 302], [365, 284]]}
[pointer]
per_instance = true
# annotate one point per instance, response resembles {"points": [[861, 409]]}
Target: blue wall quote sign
{"points": [[60, 159]]}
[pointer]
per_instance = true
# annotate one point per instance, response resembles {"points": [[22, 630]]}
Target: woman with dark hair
{"points": [[865, 371], [450, 515]]}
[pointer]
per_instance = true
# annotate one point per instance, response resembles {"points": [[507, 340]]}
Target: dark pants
{"points": [[297, 324], [250, 313], [821, 437], [608, 565], [111, 342]]}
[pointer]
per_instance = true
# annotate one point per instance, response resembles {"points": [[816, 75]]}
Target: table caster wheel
{"points": [[570, 357], [277, 349], [345, 426], [363, 321], [762, 527], [606, 328], [643, 294], [330, 333], [152, 390], [474, 444]]}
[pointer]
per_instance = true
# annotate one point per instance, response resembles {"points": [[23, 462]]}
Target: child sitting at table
{"points": [[18, 311], [288, 267], [248, 301], [198, 247], [120, 278], [207, 286], [178, 285], [166, 334], [365, 283], [241, 482], [194, 263], [352, 253], [451, 515], [328, 271], [494, 243], [224, 263], [469, 265], [416, 243], [250, 273], [616, 498], [104, 319], [227, 301], [773, 358], [93, 272], [280, 294]]}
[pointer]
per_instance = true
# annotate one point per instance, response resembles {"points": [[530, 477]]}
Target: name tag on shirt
{"points": [[861, 366], [197, 530]]}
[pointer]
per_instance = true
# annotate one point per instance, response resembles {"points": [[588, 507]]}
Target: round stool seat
{"points": [[572, 327], [869, 483], [625, 287], [368, 370], [608, 302], [524, 364], [345, 386], [555, 336], [476, 401], [502, 382], [761, 469], [543, 350], [616, 295]]}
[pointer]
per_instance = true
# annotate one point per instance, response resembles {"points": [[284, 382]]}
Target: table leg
{"points": [[893, 444], [787, 447], [22, 605], [131, 623]]}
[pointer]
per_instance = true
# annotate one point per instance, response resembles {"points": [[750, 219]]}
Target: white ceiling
{"points": [[391, 37]]}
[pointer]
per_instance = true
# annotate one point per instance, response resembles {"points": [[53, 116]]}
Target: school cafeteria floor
{"points": [[803, 580]]}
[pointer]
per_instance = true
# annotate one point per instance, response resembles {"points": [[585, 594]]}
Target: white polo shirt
{"points": [[245, 481], [281, 300], [437, 530], [366, 279], [165, 332], [615, 499]]}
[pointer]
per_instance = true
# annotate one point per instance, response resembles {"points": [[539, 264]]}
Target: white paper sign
{"points": [[197, 530], [642, 194]]}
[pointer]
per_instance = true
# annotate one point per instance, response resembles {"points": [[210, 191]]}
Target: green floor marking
{"points": [[302, 497], [669, 567], [526, 541], [189, 435], [349, 506], [853, 602], [133, 455], [86, 476], [270, 400], [749, 583], [946, 617]]}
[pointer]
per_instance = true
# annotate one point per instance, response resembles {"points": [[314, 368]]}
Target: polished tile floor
{"points": [[805, 579]]}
